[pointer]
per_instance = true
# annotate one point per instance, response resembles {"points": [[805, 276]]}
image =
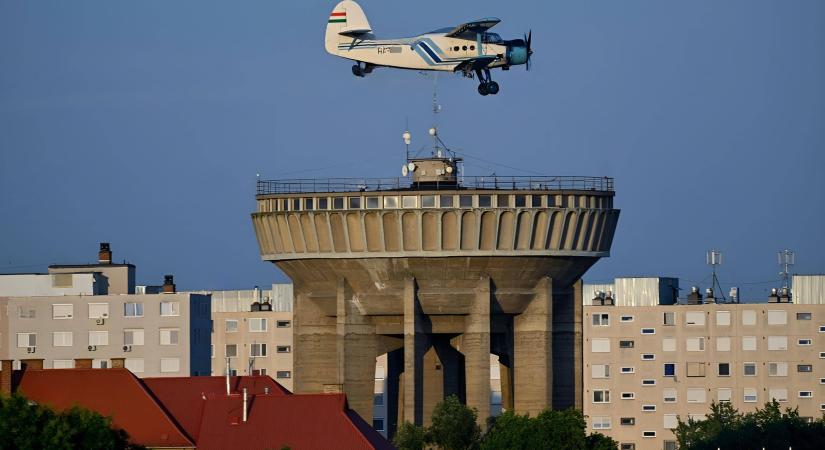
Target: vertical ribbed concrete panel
{"points": [[415, 343], [533, 352], [356, 344], [475, 345]]}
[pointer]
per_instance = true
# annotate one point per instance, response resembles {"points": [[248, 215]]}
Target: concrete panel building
{"points": [[438, 274], [253, 330], [649, 360], [40, 284]]}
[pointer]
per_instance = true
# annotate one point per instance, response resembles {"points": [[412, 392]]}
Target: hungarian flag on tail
{"points": [[338, 17]]}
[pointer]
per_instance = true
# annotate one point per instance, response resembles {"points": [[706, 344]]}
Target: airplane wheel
{"points": [[492, 88], [357, 71], [482, 89]]}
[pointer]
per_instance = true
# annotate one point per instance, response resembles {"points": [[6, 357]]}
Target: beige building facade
{"points": [[648, 364]]}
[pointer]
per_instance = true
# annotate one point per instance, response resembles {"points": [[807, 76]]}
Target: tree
{"points": [[454, 426], [563, 430], [768, 427], [409, 437], [27, 425]]}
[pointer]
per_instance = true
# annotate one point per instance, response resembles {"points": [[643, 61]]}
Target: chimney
{"points": [[83, 363], [245, 405], [694, 298], [32, 364], [784, 295], [5, 376], [709, 298], [118, 363], [169, 284], [104, 256]]}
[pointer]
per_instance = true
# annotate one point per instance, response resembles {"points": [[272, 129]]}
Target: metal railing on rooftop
{"points": [[310, 185]]}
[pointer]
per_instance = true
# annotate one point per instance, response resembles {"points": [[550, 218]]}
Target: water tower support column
{"points": [[415, 345], [533, 352], [357, 347]]}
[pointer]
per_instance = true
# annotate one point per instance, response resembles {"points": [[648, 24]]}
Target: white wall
{"points": [[41, 285]]}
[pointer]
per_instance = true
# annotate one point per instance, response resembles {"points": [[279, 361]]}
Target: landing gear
{"points": [[486, 86], [359, 71]]}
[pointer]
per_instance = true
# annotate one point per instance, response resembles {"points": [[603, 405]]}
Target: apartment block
{"points": [[650, 358], [252, 332]]}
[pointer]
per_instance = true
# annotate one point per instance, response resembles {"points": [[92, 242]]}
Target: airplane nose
{"points": [[517, 54]]}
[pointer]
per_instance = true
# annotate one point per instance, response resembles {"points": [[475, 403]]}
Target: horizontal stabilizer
{"points": [[477, 63], [354, 32]]}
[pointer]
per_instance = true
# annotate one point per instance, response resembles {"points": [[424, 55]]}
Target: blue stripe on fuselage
{"points": [[429, 51]]}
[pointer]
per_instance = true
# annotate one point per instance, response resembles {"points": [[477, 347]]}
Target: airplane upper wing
{"points": [[479, 62], [468, 30]]}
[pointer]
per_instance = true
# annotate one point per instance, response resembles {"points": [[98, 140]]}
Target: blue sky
{"points": [[145, 123]]}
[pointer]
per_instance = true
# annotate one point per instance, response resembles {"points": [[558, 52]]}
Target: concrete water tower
{"points": [[438, 271]]}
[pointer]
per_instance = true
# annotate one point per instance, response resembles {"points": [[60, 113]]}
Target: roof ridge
{"points": [[159, 404]]}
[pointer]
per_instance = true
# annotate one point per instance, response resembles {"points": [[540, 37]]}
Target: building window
{"points": [[355, 202], [669, 344], [626, 344], [98, 338], [777, 317], [338, 203], [648, 331], [628, 395], [777, 342], [724, 369], [601, 396], [521, 201], [822, 328], [749, 317], [695, 318], [749, 343], [669, 319], [308, 204], [805, 394], [446, 201], [669, 445], [600, 370], [627, 421], [169, 308], [696, 395], [135, 365], [409, 201], [535, 201], [100, 363], [626, 319], [63, 364], [723, 344], [670, 422], [283, 374], [62, 339], [649, 434], [133, 309], [695, 369], [428, 201], [98, 310], [804, 342], [378, 424], [648, 382], [283, 324], [169, 365], [723, 395], [169, 336], [821, 355], [749, 369], [465, 201], [777, 369], [296, 204], [601, 320], [600, 345], [257, 325], [378, 399], [231, 350], [648, 408], [62, 311], [670, 369], [628, 370], [696, 344], [257, 350], [669, 395], [803, 316], [231, 326], [648, 357], [484, 201], [778, 394], [722, 318], [283, 348], [805, 368], [822, 381], [627, 446], [601, 422], [133, 336], [29, 312]]}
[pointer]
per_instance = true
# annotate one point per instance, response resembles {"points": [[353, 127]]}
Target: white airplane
{"points": [[468, 48]]}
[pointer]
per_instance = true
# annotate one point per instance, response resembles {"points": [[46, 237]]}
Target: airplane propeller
{"points": [[527, 38]]}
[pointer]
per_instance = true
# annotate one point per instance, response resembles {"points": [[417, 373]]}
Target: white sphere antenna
{"points": [[404, 170], [407, 137], [433, 131], [411, 166]]}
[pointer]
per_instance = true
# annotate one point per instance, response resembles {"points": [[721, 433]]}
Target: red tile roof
{"points": [[110, 392], [184, 397]]}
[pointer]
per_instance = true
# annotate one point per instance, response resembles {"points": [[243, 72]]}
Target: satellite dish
{"points": [[404, 170], [449, 169], [411, 166], [433, 131]]}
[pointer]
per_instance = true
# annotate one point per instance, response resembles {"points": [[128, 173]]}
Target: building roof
{"points": [[275, 420], [111, 392], [79, 266], [184, 397]]}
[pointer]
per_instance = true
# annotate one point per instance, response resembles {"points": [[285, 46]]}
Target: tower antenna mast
{"points": [[786, 259], [714, 258]]}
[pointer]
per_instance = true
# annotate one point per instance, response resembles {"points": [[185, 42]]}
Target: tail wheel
{"points": [[357, 70]]}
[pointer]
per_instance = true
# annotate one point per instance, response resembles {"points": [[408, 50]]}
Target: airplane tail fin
{"points": [[346, 21]]}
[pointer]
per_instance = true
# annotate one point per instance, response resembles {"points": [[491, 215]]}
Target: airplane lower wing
{"points": [[477, 63]]}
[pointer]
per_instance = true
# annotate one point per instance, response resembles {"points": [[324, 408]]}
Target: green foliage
{"points": [[409, 437], [768, 427], [454, 426], [26, 425], [562, 430]]}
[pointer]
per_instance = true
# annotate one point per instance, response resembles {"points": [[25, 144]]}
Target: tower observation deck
{"points": [[438, 272]]}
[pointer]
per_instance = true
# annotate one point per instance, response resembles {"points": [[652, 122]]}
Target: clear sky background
{"points": [[144, 123]]}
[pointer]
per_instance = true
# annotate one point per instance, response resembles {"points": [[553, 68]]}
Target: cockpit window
{"points": [[492, 38]]}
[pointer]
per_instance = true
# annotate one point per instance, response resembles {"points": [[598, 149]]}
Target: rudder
{"points": [[346, 19]]}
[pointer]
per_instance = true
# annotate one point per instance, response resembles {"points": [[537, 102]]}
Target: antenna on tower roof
{"points": [[714, 258], [786, 259]]}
